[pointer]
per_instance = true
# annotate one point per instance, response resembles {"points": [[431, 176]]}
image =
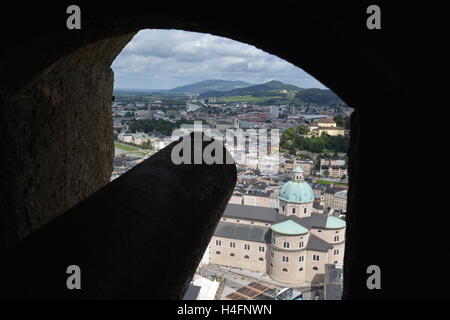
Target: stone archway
{"points": [[46, 65]]}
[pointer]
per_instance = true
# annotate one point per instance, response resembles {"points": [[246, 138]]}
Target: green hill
{"points": [[275, 92], [271, 88], [318, 96], [209, 85]]}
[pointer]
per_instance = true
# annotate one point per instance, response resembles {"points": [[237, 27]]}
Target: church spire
{"points": [[298, 174]]}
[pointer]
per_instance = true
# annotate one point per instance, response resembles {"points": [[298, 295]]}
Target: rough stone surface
{"points": [[57, 141]]}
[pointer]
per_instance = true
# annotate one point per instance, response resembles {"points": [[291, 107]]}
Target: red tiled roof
{"points": [[326, 120]]}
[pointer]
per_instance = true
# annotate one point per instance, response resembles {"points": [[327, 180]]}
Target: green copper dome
{"points": [[335, 223], [289, 227], [297, 192]]}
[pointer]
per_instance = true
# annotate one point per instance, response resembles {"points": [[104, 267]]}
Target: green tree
{"points": [[148, 145], [302, 129], [149, 125], [289, 134], [342, 121]]}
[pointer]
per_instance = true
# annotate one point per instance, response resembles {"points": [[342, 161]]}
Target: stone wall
{"points": [[57, 139]]}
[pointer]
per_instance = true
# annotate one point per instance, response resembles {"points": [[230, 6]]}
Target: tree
{"points": [[302, 129], [291, 140], [289, 134], [148, 145], [342, 121], [149, 125]]}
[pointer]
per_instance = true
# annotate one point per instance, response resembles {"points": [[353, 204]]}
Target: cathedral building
{"points": [[292, 244]]}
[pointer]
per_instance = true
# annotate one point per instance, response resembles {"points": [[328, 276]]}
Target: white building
{"points": [[274, 112]]}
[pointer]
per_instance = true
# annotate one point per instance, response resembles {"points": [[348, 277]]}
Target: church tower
{"points": [[296, 196], [298, 174]]}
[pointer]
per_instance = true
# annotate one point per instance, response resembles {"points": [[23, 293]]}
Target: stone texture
{"points": [[57, 141]]}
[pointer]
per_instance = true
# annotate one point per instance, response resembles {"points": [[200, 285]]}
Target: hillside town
{"points": [[305, 198]]}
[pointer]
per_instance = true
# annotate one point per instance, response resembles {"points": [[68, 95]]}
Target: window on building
{"points": [[246, 257], [305, 211], [271, 265], [286, 244], [336, 251], [336, 238], [335, 262], [231, 254], [261, 259], [293, 210], [261, 249], [217, 252], [283, 208], [319, 230], [301, 269], [238, 220], [300, 244], [315, 268], [251, 222], [284, 270], [232, 245], [218, 243], [246, 246], [315, 257], [301, 258], [285, 259], [223, 219], [273, 240]]}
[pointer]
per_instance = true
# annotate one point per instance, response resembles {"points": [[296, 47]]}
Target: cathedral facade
{"points": [[292, 244]]}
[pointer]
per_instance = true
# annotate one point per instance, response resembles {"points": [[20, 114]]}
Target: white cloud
{"points": [[163, 59]]}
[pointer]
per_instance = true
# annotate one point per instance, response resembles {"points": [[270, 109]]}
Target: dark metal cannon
{"points": [[139, 237]]}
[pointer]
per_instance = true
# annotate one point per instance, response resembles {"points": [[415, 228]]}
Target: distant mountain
{"points": [[276, 92], [209, 85], [319, 96], [135, 91], [272, 92], [265, 89]]}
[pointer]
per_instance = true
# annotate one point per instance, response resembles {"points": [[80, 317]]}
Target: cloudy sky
{"points": [[164, 59]]}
